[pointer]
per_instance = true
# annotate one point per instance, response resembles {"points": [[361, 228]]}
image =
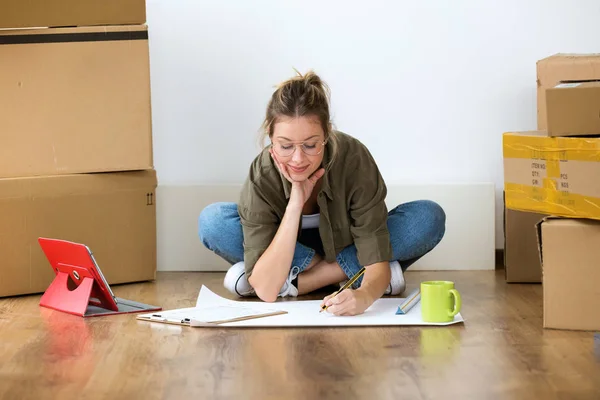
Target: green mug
{"points": [[440, 302]]}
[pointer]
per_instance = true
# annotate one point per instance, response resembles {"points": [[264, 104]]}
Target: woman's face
{"points": [[298, 144]]}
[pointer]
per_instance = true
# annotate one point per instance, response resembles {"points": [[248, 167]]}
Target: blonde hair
{"points": [[299, 96]]}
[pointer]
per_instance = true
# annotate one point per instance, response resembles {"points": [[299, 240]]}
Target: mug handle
{"points": [[457, 302]]}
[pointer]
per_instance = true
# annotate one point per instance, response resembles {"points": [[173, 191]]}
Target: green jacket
{"points": [[351, 202]]}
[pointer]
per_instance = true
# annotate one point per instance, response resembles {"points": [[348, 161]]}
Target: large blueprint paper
{"points": [[305, 313]]}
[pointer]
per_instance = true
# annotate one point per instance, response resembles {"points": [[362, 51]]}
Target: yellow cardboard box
{"points": [[552, 175]]}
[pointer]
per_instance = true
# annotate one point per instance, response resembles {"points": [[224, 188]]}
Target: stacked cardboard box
{"points": [[553, 175], [76, 141], [521, 261]]}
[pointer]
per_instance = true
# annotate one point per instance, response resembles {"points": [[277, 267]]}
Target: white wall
{"points": [[429, 86]]}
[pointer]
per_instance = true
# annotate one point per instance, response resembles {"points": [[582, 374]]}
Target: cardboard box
{"points": [[53, 13], [74, 100], [113, 213], [573, 109], [570, 252], [563, 68], [521, 255], [552, 175]]}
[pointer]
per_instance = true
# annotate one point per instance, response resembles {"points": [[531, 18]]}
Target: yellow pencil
{"points": [[346, 286]]}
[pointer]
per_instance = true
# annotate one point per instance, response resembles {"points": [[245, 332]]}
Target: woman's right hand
{"points": [[301, 190]]}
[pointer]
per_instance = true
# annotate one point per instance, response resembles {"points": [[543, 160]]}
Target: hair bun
{"points": [[310, 78]]}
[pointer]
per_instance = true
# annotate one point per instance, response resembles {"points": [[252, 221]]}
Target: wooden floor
{"points": [[501, 352]]}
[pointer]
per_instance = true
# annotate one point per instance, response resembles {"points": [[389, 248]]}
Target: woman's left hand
{"points": [[348, 302]]}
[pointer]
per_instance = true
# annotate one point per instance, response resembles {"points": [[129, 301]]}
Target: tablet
{"points": [[78, 262]]}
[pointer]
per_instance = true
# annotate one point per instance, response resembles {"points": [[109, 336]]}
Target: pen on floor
{"points": [[346, 286]]}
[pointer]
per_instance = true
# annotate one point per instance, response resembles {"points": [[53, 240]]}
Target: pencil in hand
{"points": [[346, 286]]}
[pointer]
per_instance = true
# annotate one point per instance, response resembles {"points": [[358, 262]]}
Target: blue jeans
{"points": [[415, 229]]}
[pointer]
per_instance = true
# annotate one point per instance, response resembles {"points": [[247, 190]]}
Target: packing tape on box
{"points": [[551, 148], [551, 194], [549, 200], [553, 171]]}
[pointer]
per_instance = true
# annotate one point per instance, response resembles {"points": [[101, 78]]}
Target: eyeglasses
{"points": [[286, 149]]}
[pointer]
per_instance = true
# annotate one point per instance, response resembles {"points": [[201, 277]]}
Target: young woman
{"points": [[312, 212]]}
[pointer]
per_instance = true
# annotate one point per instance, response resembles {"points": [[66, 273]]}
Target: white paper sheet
{"points": [[305, 313]]}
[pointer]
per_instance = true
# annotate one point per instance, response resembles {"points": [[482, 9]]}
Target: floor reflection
{"points": [[68, 349], [440, 342]]}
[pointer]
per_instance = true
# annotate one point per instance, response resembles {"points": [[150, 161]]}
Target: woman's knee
{"points": [[438, 218], [214, 220], [424, 216], [433, 218]]}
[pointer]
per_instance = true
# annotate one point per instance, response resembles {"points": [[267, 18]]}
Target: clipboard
{"points": [[208, 316], [80, 287]]}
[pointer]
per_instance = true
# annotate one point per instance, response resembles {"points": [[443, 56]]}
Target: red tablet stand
{"points": [[89, 294]]}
